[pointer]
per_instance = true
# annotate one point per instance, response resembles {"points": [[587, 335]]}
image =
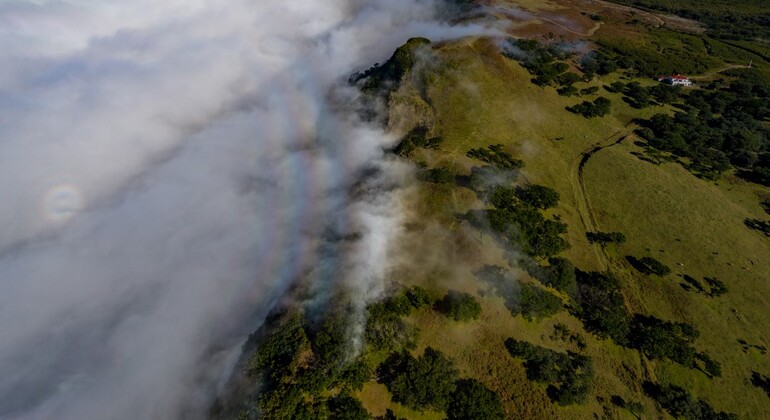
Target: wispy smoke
{"points": [[168, 169]]}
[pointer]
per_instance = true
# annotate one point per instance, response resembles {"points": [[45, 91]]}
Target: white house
{"points": [[676, 80]]}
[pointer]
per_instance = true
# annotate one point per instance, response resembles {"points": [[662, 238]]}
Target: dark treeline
{"points": [[719, 129], [744, 19]]}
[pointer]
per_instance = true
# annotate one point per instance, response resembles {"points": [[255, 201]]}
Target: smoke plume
{"points": [[169, 169]]}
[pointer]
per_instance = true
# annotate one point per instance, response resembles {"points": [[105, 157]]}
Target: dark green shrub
{"points": [[426, 382], [459, 306], [472, 400]]}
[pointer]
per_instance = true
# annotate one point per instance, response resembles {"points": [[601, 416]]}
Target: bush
{"points": [[426, 382], [472, 400], [459, 306]]}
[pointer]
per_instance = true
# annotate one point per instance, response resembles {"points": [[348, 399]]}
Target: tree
{"points": [[440, 176], [649, 265], [472, 400], [497, 156], [711, 367], [419, 297], [602, 306], [535, 303], [459, 306], [420, 383], [718, 288], [570, 374], [538, 196], [659, 339], [346, 407], [680, 404], [605, 238], [559, 274]]}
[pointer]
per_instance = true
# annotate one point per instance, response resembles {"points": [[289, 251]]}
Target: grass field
{"points": [[475, 98]]}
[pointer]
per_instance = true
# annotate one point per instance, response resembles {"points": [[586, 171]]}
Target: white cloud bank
{"points": [[167, 169]]}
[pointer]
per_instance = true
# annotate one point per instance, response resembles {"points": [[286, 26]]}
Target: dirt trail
{"points": [[720, 70], [579, 188]]}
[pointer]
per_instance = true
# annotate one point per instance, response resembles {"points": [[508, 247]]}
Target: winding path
{"points": [[582, 203]]}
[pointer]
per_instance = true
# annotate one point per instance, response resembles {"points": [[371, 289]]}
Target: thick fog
{"points": [[168, 169]]}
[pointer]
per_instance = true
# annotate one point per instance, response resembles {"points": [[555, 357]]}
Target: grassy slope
{"points": [[480, 98]]}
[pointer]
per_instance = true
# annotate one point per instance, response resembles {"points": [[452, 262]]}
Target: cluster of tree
{"points": [[606, 238], [496, 156], [385, 327], [294, 360], [421, 383], [430, 381], [742, 20], [598, 108], [642, 97], [719, 129], [659, 339], [603, 312], [602, 307], [523, 225], [459, 306], [760, 226], [543, 61], [535, 195], [521, 298], [761, 381], [569, 375], [383, 79], [600, 62], [649, 266], [415, 139], [559, 274], [680, 404], [661, 52]]}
